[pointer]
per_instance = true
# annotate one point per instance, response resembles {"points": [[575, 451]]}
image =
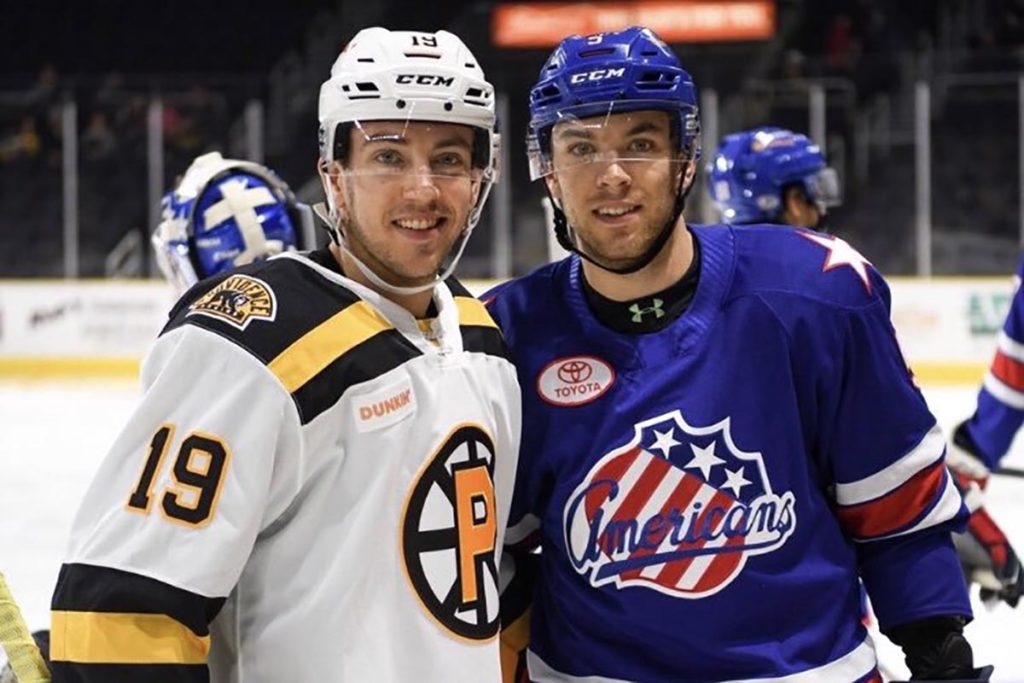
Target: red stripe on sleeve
{"points": [[1009, 371], [897, 508]]}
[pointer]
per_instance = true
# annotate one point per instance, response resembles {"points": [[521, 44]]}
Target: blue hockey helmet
{"points": [[605, 74], [588, 79], [225, 213], [751, 169]]}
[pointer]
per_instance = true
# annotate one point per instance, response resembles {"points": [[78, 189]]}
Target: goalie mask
{"points": [[225, 213], [414, 82]]}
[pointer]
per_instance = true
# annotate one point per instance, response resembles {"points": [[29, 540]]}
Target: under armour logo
{"points": [[639, 313]]}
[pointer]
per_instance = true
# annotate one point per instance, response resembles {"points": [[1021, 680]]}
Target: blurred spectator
{"points": [[840, 45], [97, 141], [22, 143]]}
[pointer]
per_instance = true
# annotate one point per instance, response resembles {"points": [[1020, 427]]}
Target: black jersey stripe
{"points": [[72, 672], [104, 615], [378, 354], [485, 340]]}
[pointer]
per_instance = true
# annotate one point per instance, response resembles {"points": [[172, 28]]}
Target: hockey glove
{"points": [[985, 553], [935, 649]]}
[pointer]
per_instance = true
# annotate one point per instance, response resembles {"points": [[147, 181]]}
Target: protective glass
{"points": [[825, 188], [391, 151], [632, 134]]}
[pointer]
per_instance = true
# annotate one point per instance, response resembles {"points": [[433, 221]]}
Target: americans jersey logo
{"points": [[238, 300], [678, 509]]}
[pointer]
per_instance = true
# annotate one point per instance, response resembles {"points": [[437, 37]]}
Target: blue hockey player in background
{"points": [[772, 175], [720, 434], [979, 444]]}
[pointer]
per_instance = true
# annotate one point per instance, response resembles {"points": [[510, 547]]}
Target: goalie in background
{"points": [[225, 213]]}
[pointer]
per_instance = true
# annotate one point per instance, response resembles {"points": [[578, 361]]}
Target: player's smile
{"points": [[617, 213]]}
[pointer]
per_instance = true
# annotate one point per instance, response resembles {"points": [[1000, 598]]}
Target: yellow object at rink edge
{"points": [[53, 367], [929, 373]]}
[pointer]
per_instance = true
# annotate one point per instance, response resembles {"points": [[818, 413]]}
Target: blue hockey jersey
{"points": [[1000, 412], [705, 496]]}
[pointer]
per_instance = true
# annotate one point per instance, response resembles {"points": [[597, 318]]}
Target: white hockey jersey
{"points": [[314, 471]]}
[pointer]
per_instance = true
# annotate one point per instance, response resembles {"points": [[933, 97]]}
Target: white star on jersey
{"points": [[840, 253], [704, 459], [735, 481], [664, 441]]}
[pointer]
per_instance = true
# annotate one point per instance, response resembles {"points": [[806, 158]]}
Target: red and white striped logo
{"points": [[678, 509]]}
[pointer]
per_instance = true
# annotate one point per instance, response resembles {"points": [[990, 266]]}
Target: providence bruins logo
{"points": [[238, 300], [449, 534]]}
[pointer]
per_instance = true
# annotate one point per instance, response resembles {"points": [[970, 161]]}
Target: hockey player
{"points": [[978, 445], [719, 433], [775, 175], [772, 175], [224, 213], [315, 483]]}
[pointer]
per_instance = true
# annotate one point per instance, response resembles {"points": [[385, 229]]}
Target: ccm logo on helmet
{"points": [[424, 79], [597, 75]]}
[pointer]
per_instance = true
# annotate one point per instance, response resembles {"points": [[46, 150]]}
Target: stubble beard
{"points": [[626, 258], [385, 265]]}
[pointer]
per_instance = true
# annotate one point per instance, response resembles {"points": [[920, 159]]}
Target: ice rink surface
{"points": [[53, 435]]}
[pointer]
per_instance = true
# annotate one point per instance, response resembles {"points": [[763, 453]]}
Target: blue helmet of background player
{"points": [[751, 172], [225, 213], [606, 74]]}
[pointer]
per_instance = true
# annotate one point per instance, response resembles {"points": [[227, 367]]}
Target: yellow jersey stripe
{"points": [[327, 342], [113, 638], [515, 638], [473, 312]]}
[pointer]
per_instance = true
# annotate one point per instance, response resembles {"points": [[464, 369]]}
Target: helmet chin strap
{"points": [[565, 234], [333, 221]]}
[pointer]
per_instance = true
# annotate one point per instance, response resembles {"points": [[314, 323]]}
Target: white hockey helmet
{"points": [[384, 75]]}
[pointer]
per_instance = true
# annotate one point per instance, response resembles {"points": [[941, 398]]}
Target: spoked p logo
{"points": [[678, 509], [575, 380], [449, 535]]}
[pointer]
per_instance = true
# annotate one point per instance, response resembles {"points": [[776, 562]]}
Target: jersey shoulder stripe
{"points": [[480, 332], [316, 336]]}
